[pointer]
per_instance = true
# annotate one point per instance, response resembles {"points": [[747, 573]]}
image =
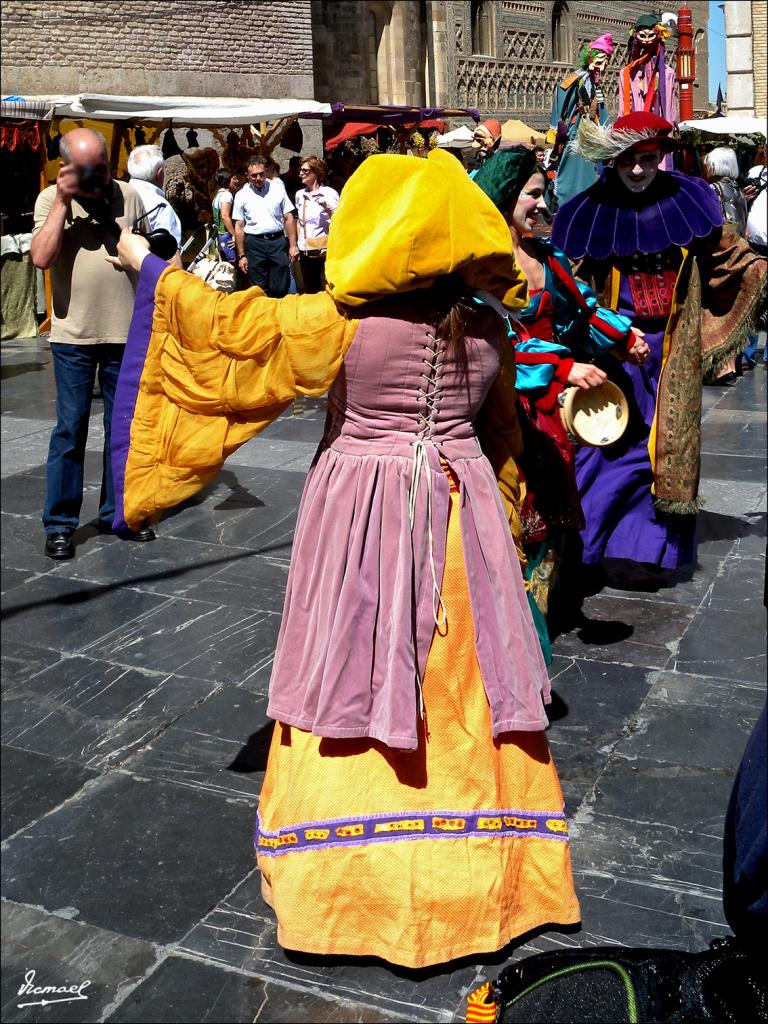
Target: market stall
{"points": [[29, 153]]}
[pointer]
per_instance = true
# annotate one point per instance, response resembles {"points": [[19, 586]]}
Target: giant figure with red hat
{"points": [[653, 245], [578, 97]]}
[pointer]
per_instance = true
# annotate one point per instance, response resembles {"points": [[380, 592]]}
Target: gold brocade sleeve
{"points": [[498, 431], [218, 370]]}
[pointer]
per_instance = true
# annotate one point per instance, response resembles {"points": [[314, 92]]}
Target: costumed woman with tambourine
{"points": [[410, 809], [555, 336], [653, 245]]}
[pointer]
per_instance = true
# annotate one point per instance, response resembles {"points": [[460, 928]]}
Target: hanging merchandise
{"points": [[52, 144], [24, 132], [293, 138], [192, 142], [140, 137], [170, 146]]}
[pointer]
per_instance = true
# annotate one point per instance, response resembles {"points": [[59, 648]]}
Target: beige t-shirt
{"points": [[92, 299]]}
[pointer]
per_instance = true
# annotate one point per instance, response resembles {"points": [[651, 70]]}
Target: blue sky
{"points": [[716, 48]]}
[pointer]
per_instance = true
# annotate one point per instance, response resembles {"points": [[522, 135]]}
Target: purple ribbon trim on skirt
{"points": [[363, 830]]}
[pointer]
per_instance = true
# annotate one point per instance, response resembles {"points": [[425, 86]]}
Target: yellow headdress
{"points": [[403, 222]]}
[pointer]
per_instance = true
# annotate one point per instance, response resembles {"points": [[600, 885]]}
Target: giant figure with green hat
{"points": [[647, 83]]}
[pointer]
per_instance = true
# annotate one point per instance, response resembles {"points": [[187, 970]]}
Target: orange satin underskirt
{"points": [[420, 901]]}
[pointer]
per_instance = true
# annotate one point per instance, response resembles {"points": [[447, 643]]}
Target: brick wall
{"points": [[186, 47]]}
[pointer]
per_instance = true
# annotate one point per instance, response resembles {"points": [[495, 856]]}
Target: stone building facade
{"points": [[156, 47], [504, 57], [746, 36]]}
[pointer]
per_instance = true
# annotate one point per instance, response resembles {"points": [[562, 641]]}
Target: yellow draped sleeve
{"points": [[219, 369]]}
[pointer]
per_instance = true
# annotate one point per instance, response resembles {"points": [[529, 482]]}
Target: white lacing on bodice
{"points": [[429, 395]]}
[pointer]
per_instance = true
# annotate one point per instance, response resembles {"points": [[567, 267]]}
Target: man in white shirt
{"points": [[263, 216], [146, 168]]}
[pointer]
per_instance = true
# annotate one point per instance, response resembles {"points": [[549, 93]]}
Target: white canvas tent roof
{"points": [[459, 138], [730, 125], [198, 111]]}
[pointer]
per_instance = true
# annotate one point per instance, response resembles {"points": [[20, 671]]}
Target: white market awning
{"points": [[731, 125], [193, 111], [459, 138]]}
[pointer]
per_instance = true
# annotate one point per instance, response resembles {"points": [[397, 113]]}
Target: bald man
{"points": [[92, 308]]}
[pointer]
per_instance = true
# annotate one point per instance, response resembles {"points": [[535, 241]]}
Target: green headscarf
{"points": [[503, 175]]}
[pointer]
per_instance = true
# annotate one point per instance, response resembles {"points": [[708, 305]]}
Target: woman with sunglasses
{"points": [[556, 335], [315, 202]]}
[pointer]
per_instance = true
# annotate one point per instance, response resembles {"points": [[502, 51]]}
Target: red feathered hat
{"points": [[603, 142]]}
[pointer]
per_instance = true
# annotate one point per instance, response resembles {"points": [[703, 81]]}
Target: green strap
{"points": [[621, 971]]}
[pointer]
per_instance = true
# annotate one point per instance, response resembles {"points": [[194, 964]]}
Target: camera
{"points": [[91, 180]]}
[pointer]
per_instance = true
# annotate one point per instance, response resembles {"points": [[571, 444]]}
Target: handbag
{"points": [[312, 246], [209, 267]]}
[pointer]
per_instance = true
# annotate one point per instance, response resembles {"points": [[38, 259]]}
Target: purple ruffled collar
{"points": [[609, 220]]}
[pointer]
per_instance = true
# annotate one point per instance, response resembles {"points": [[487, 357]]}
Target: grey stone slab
{"points": [[727, 495], [689, 584], [94, 713], [192, 638], [592, 704], [32, 453], [144, 858], [241, 933], [266, 528], [68, 615], [307, 428], [617, 912], [185, 989], [167, 566], [739, 587], [12, 578], [744, 436], [721, 641], [250, 581], [67, 953], [23, 539], [647, 884], [267, 453], [20, 430], [22, 661], [34, 784], [694, 721], [219, 747], [741, 467], [719, 533], [643, 789], [24, 493], [631, 631], [22, 542]]}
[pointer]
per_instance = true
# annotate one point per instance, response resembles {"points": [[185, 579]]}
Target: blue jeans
{"points": [[751, 350], [75, 368]]}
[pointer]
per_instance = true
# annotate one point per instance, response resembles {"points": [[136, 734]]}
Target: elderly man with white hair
{"points": [[146, 168]]}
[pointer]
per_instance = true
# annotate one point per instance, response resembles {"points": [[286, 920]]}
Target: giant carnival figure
{"points": [[579, 95], [647, 83]]}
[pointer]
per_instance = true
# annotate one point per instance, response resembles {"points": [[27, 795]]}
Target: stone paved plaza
{"points": [[134, 736]]}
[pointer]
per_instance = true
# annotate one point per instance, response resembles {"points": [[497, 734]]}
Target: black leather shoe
{"points": [[142, 535], [59, 546]]}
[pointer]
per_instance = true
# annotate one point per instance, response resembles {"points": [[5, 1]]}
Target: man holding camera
{"points": [[92, 309]]}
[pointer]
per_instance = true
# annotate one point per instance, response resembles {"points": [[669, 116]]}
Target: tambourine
{"points": [[596, 417]]}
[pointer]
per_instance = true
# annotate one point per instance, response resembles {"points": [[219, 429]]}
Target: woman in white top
{"points": [[315, 203], [227, 183]]}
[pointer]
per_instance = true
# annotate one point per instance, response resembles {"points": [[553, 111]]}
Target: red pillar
{"points": [[686, 63]]}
